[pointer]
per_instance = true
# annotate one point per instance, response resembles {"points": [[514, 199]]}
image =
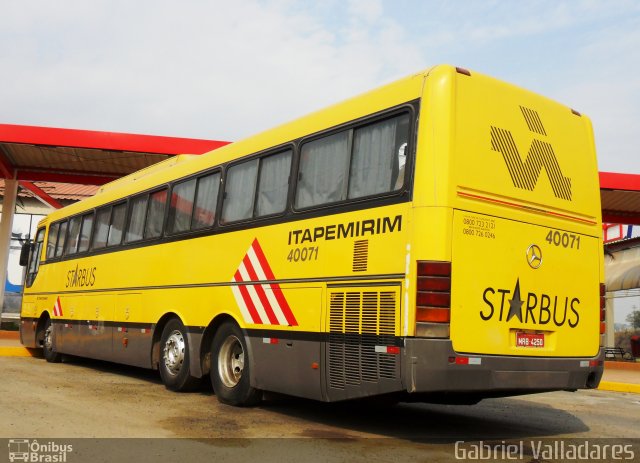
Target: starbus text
{"points": [[538, 308]]}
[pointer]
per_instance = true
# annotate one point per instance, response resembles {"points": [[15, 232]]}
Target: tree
{"points": [[634, 319]]}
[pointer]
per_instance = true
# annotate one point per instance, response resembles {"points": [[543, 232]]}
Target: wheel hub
{"points": [[174, 352], [231, 361], [48, 342]]}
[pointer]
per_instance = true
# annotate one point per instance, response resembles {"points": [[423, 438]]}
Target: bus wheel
{"points": [[174, 358], [230, 366], [49, 351]]}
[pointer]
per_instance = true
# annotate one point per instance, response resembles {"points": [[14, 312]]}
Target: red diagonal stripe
{"points": [[277, 292], [284, 306], [261, 294], [263, 260], [247, 299]]}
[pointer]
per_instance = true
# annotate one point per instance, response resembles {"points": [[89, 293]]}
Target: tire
{"points": [[231, 366], [48, 341], [174, 358]]}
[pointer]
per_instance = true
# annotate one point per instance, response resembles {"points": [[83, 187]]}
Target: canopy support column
{"points": [[6, 225]]}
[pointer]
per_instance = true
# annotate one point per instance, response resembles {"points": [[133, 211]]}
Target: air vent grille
{"points": [[360, 321], [360, 255]]}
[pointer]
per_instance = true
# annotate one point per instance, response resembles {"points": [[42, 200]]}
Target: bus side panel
{"points": [[285, 362], [28, 321], [131, 341], [96, 334]]}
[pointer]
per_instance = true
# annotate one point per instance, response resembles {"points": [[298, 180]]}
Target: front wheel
{"points": [[48, 341], [230, 366], [174, 358]]}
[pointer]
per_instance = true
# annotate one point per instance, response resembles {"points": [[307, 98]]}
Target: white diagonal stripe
{"points": [[253, 258], [252, 292], [277, 310], [256, 264], [240, 301]]}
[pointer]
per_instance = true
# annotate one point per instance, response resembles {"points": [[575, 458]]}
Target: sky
{"points": [[226, 70]]}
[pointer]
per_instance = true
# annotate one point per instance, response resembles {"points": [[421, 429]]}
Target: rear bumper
{"points": [[427, 369]]}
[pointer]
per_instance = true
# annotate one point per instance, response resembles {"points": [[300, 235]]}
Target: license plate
{"points": [[529, 340]]}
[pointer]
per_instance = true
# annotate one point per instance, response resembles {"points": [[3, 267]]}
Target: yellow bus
{"points": [[436, 239]]}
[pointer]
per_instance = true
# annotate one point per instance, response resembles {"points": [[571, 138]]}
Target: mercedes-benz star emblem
{"points": [[534, 256]]}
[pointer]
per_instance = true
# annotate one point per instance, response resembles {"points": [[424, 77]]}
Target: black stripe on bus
{"points": [[285, 335], [369, 278], [356, 338], [106, 323]]}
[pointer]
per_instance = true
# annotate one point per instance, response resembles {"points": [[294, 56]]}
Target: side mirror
{"points": [[24, 253]]}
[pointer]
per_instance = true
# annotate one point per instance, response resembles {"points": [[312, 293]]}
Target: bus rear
{"points": [[512, 184]]}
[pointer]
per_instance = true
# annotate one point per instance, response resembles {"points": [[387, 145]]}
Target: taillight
{"points": [[603, 308], [433, 294]]}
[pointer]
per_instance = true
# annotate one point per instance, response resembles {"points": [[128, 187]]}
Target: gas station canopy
{"points": [[620, 197], [87, 157]]}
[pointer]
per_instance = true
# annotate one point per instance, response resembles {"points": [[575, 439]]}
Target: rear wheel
{"points": [[174, 358], [230, 367], [48, 343]]}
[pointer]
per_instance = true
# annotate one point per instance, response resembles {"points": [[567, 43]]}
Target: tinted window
{"points": [[181, 207], [51, 240], [118, 216], [204, 212], [155, 214], [239, 191], [34, 258], [102, 228], [136, 218], [377, 163], [73, 236], [85, 232], [273, 184], [61, 238], [323, 170]]}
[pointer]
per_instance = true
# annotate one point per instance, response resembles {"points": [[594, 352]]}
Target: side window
{"points": [[239, 191], [34, 258], [62, 236], [116, 227], [101, 231], [323, 170], [85, 232], [273, 184], [155, 214], [137, 215], [181, 206], [377, 163], [51, 240], [204, 212], [73, 236]]}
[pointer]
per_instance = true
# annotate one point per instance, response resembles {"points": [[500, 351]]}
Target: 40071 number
{"points": [[303, 254], [566, 240]]}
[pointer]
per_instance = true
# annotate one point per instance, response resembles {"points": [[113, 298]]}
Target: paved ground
{"points": [[92, 399]]}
